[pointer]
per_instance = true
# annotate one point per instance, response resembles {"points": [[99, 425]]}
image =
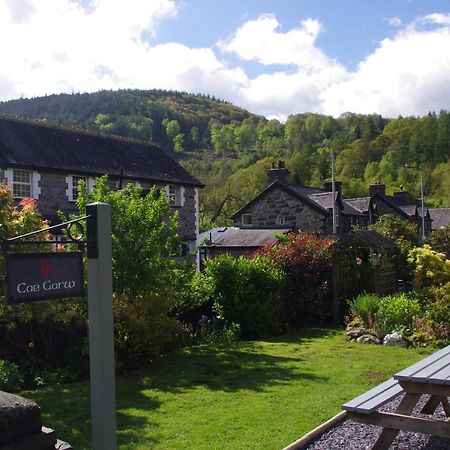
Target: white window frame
{"points": [[35, 178], [247, 219], [281, 220], [71, 186], [175, 194]]}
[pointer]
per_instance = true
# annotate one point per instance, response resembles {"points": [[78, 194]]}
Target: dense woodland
{"points": [[230, 149]]}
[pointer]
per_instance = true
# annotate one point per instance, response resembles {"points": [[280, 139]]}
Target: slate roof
{"points": [[318, 198], [440, 217], [38, 146], [361, 204], [241, 237], [324, 199], [289, 188], [412, 210]]}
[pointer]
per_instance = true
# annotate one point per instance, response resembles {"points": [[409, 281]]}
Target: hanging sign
{"points": [[38, 276]]}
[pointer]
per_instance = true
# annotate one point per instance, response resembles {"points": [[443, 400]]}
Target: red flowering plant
{"points": [[306, 261]]}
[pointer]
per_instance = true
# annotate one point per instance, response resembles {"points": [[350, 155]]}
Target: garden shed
{"points": [[363, 261]]}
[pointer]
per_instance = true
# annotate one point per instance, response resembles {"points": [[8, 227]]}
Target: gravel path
{"points": [[350, 435]]}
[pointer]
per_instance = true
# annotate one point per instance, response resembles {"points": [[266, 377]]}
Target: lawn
{"points": [[258, 394]]}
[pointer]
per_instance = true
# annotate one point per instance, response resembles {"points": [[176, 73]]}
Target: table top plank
{"points": [[387, 390], [437, 360], [441, 377], [434, 370]]}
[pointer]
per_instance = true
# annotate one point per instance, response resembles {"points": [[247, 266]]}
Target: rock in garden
{"points": [[18, 417], [368, 339], [355, 333], [395, 340]]}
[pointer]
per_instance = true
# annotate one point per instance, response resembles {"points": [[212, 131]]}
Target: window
{"points": [[281, 220], [247, 219], [22, 183], [75, 180], [175, 195], [72, 185], [172, 195]]}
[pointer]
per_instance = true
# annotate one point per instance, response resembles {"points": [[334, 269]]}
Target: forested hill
{"points": [[168, 118], [230, 149]]}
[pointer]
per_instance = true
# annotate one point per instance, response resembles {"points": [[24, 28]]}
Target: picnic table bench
{"points": [[429, 376]]}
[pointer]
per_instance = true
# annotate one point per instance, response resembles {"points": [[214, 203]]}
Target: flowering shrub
{"points": [[306, 261], [430, 267], [212, 330]]}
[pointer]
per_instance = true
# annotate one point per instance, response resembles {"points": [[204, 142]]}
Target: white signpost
{"points": [[38, 276], [101, 332]]}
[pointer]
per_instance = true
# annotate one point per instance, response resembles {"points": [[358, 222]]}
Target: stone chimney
{"points": [[278, 172], [328, 186], [402, 197], [377, 188]]}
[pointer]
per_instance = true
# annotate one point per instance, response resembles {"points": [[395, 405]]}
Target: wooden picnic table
{"points": [[429, 376]]}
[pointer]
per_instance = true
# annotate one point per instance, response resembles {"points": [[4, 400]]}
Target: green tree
{"points": [[143, 233]]}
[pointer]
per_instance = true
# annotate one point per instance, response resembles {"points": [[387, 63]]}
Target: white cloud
{"points": [[260, 41], [57, 46], [80, 45], [20, 10], [406, 75], [394, 21], [436, 18]]}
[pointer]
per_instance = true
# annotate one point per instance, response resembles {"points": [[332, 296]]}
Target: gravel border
{"points": [[351, 435]]}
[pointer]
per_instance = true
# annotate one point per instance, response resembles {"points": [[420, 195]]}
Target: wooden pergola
{"points": [[363, 261]]}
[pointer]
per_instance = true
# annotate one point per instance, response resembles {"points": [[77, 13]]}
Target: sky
{"points": [[272, 57]]}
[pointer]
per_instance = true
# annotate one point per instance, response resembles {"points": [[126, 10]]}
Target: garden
{"points": [[217, 359]]}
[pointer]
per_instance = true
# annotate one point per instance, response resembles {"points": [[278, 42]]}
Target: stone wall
{"points": [[383, 208], [276, 204]]}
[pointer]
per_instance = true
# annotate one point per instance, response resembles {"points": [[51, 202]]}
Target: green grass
{"points": [[259, 394]]}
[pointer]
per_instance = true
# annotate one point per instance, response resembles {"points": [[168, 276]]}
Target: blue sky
{"points": [[272, 57]]}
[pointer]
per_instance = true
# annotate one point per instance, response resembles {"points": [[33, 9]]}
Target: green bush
{"points": [[10, 377], [211, 330], [396, 313], [434, 327], [365, 307], [431, 269], [440, 240], [143, 329], [245, 292]]}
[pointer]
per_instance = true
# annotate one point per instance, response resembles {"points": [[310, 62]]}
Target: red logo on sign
{"points": [[46, 270]]}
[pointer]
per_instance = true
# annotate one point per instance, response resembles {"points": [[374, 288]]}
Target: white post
{"points": [[101, 333], [333, 190], [423, 210]]}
